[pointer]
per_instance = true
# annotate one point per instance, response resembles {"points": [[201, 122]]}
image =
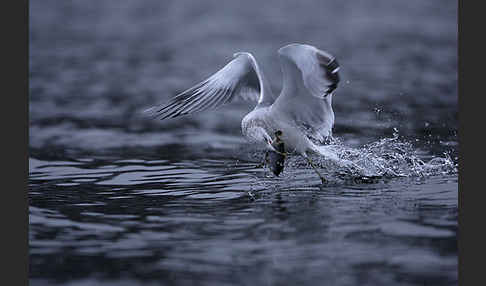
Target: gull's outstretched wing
{"points": [[310, 77], [240, 78]]}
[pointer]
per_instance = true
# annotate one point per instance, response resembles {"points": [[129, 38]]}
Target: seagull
{"points": [[302, 112]]}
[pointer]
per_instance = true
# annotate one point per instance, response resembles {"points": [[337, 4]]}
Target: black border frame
{"points": [[15, 236]]}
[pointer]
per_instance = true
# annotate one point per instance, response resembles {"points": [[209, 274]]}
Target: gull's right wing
{"points": [[240, 78], [310, 78]]}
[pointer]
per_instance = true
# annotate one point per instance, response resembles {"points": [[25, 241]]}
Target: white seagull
{"points": [[302, 112]]}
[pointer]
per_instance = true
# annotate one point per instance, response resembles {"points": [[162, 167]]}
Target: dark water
{"points": [[118, 199]]}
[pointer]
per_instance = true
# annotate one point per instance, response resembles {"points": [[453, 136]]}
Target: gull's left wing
{"points": [[240, 78]]}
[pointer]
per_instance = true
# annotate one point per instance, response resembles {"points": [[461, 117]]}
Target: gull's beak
{"points": [[269, 143]]}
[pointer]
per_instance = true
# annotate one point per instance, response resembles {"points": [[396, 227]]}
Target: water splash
{"points": [[386, 158]]}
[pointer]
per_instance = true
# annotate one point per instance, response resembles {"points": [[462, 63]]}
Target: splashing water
{"points": [[385, 158]]}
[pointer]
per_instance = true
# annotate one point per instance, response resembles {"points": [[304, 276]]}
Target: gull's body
{"points": [[267, 120], [302, 111]]}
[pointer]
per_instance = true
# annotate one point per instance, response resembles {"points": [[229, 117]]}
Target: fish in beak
{"points": [[275, 158]]}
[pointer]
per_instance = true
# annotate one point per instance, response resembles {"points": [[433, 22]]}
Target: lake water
{"points": [[116, 198]]}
